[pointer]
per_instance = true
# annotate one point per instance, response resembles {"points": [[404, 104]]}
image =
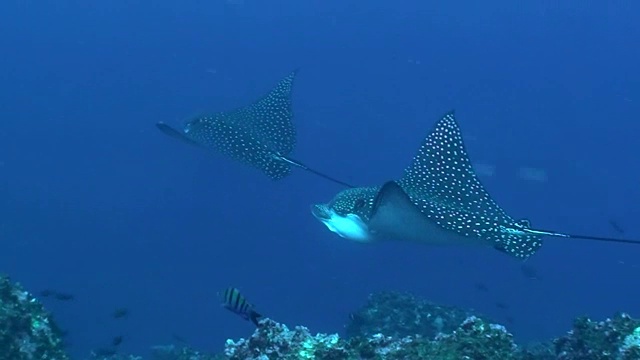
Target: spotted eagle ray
{"points": [[438, 200], [260, 134]]}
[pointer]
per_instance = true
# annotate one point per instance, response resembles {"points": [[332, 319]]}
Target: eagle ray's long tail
{"points": [[582, 237], [313, 171]]}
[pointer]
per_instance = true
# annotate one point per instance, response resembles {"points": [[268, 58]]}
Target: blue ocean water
{"points": [[96, 202]]}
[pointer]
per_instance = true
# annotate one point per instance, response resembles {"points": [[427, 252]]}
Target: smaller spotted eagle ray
{"points": [[439, 200], [260, 134]]}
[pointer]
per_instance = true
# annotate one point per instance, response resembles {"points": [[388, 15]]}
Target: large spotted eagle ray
{"points": [[439, 200], [260, 134]]}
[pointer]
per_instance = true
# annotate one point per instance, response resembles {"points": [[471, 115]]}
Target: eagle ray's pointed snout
{"points": [[321, 212]]}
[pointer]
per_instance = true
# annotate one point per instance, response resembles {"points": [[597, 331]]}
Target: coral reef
{"points": [[172, 352], [473, 339], [391, 326], [273, 340], [27, 331], [163, 352], [398, 326], [617, 338], [402, 314], [102, 356]]}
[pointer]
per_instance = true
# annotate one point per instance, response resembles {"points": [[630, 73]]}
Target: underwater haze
{"points": [[98, 203]]}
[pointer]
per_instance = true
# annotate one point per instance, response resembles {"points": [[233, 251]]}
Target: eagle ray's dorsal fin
{"points": [[442, 182], [269, 119], [442, 171]]}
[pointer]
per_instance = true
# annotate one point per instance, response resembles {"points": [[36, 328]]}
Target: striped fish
{"points": [[235, 302]]}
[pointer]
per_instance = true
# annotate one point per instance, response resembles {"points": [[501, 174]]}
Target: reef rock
{"points": [[27, 331]]}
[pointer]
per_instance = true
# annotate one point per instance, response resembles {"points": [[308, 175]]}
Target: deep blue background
{"points": [[97, 202]]}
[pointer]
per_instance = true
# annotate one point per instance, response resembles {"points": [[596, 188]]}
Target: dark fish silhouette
{"points": [[439, 200], [64, 296], [179, 338], [614, 224], [233, 300], [120, 313], [529, 272], [117, 340], [46, 293], [501, 305], [261, 134]]}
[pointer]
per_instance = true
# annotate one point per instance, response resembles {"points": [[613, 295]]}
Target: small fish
{"points": [[616, 226], [179, 338], [529, 271], [236, 303], [501, 305], [64, 296], [117, 340], [482, 287], [120, 313], [356, 318], [47, 292]]}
